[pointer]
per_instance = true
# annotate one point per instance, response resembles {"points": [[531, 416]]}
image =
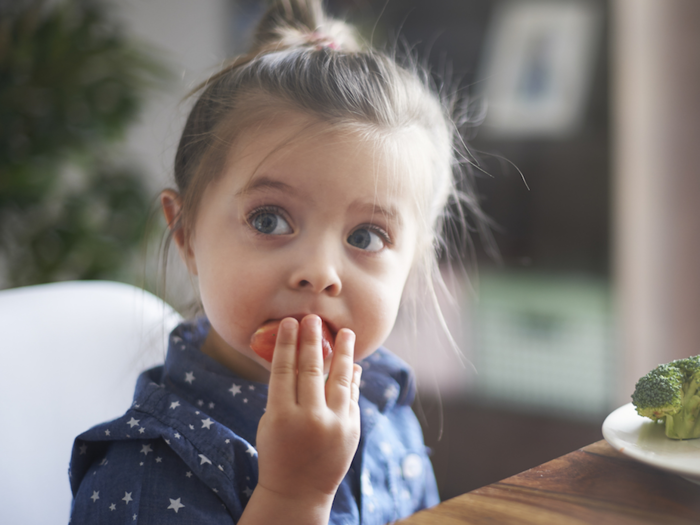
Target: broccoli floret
{"points": [[671, 393]]}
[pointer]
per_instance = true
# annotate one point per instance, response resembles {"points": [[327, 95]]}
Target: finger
{"points": [[356, 380], [282, 389], [310, 380], [338, 386]]}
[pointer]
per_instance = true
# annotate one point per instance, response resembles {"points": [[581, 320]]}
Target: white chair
{"points": [[70, 353]]}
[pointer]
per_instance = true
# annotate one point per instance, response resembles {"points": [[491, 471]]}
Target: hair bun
{"points": [[302, 23]]}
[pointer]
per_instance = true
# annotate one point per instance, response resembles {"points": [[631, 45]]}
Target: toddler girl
{"points": [[311, 178]]}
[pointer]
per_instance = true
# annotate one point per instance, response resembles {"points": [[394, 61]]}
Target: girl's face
{"points": [[300, 222]]}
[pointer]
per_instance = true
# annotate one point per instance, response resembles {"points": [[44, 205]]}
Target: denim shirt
{"points": [[185, 450]]}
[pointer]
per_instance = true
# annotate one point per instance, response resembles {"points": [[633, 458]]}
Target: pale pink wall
{"points": [[656, 119]]}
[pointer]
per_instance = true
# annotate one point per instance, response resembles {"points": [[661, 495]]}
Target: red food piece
{"points": [[264, 338]]}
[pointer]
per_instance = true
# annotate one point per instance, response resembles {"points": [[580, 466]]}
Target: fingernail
{"points": [[348, 335], [287, 324]]}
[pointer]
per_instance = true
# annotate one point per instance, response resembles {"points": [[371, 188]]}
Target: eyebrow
{"points": [[390, 212], [263, 183]]}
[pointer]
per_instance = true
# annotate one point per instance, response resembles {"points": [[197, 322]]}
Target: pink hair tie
{"points": [[319, 40]]}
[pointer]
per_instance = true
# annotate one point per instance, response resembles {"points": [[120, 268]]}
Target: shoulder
{"points": [[141, 482], [397, 475], [161, 457], [387, 379]]}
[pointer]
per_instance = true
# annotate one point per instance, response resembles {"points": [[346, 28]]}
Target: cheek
{"points": [[377, 315], [233, 295]]}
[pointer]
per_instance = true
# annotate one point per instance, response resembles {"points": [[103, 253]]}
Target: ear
{"points": [[171, 203]]}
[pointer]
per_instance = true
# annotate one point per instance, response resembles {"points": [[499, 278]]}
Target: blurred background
{"points": [[588, 156]]}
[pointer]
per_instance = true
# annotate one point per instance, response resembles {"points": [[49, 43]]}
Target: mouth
{"points": [[332, 328], [263, 341]]}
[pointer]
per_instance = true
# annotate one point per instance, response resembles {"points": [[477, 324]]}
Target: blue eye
{"points": [[366, 239], [270, 223]]}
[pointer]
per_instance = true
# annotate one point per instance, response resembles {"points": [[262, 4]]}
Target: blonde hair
{"points": [[304, 61]]}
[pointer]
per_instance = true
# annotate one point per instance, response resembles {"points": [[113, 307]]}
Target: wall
{"points": [[192, 38], [656, 69]]}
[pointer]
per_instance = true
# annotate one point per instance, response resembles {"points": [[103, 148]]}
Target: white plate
{"points": [[644, 440]]}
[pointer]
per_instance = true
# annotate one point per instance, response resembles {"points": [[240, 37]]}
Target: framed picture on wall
{"points": [[537, 67]]}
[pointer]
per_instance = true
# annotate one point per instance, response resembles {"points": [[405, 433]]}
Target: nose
{"points": [[317, 270]]}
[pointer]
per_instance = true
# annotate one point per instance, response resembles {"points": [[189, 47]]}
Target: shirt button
{"points": [[412, 466]]}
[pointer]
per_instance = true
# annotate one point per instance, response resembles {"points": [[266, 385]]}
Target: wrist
{"points": [[269, 506]]}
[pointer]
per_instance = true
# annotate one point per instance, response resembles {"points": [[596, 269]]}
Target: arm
{"points": [[310, 431]]}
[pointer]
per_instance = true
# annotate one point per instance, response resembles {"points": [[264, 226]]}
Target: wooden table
{"points": [[595, 484]]}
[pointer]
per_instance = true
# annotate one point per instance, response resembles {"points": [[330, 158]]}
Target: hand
{"points": [[310, 431]]}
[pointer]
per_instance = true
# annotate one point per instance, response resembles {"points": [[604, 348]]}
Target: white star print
{"points": [[142, 430], [251, 387], [412, 466], [95, 495], [177, 435], [107, 432], [204, 459], [167, 441], [235, 389], [366, 483], [391, 392], [145, 449], [127, 497], [175, 504], [191, 427], [251, 451], [133, 517], [206, 423], [200, 402], [227, 441], [112, 507], [174, 405], [133, 422], [159, 460], [189, 377], [189, 474], [83, 449], [221, 468], [211, 404], [247, 492]]}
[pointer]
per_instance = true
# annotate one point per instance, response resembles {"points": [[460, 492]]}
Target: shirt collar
{"points": [[387, 381]]}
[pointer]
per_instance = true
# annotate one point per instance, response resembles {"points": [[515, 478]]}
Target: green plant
{"points": [[70, 84]]}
